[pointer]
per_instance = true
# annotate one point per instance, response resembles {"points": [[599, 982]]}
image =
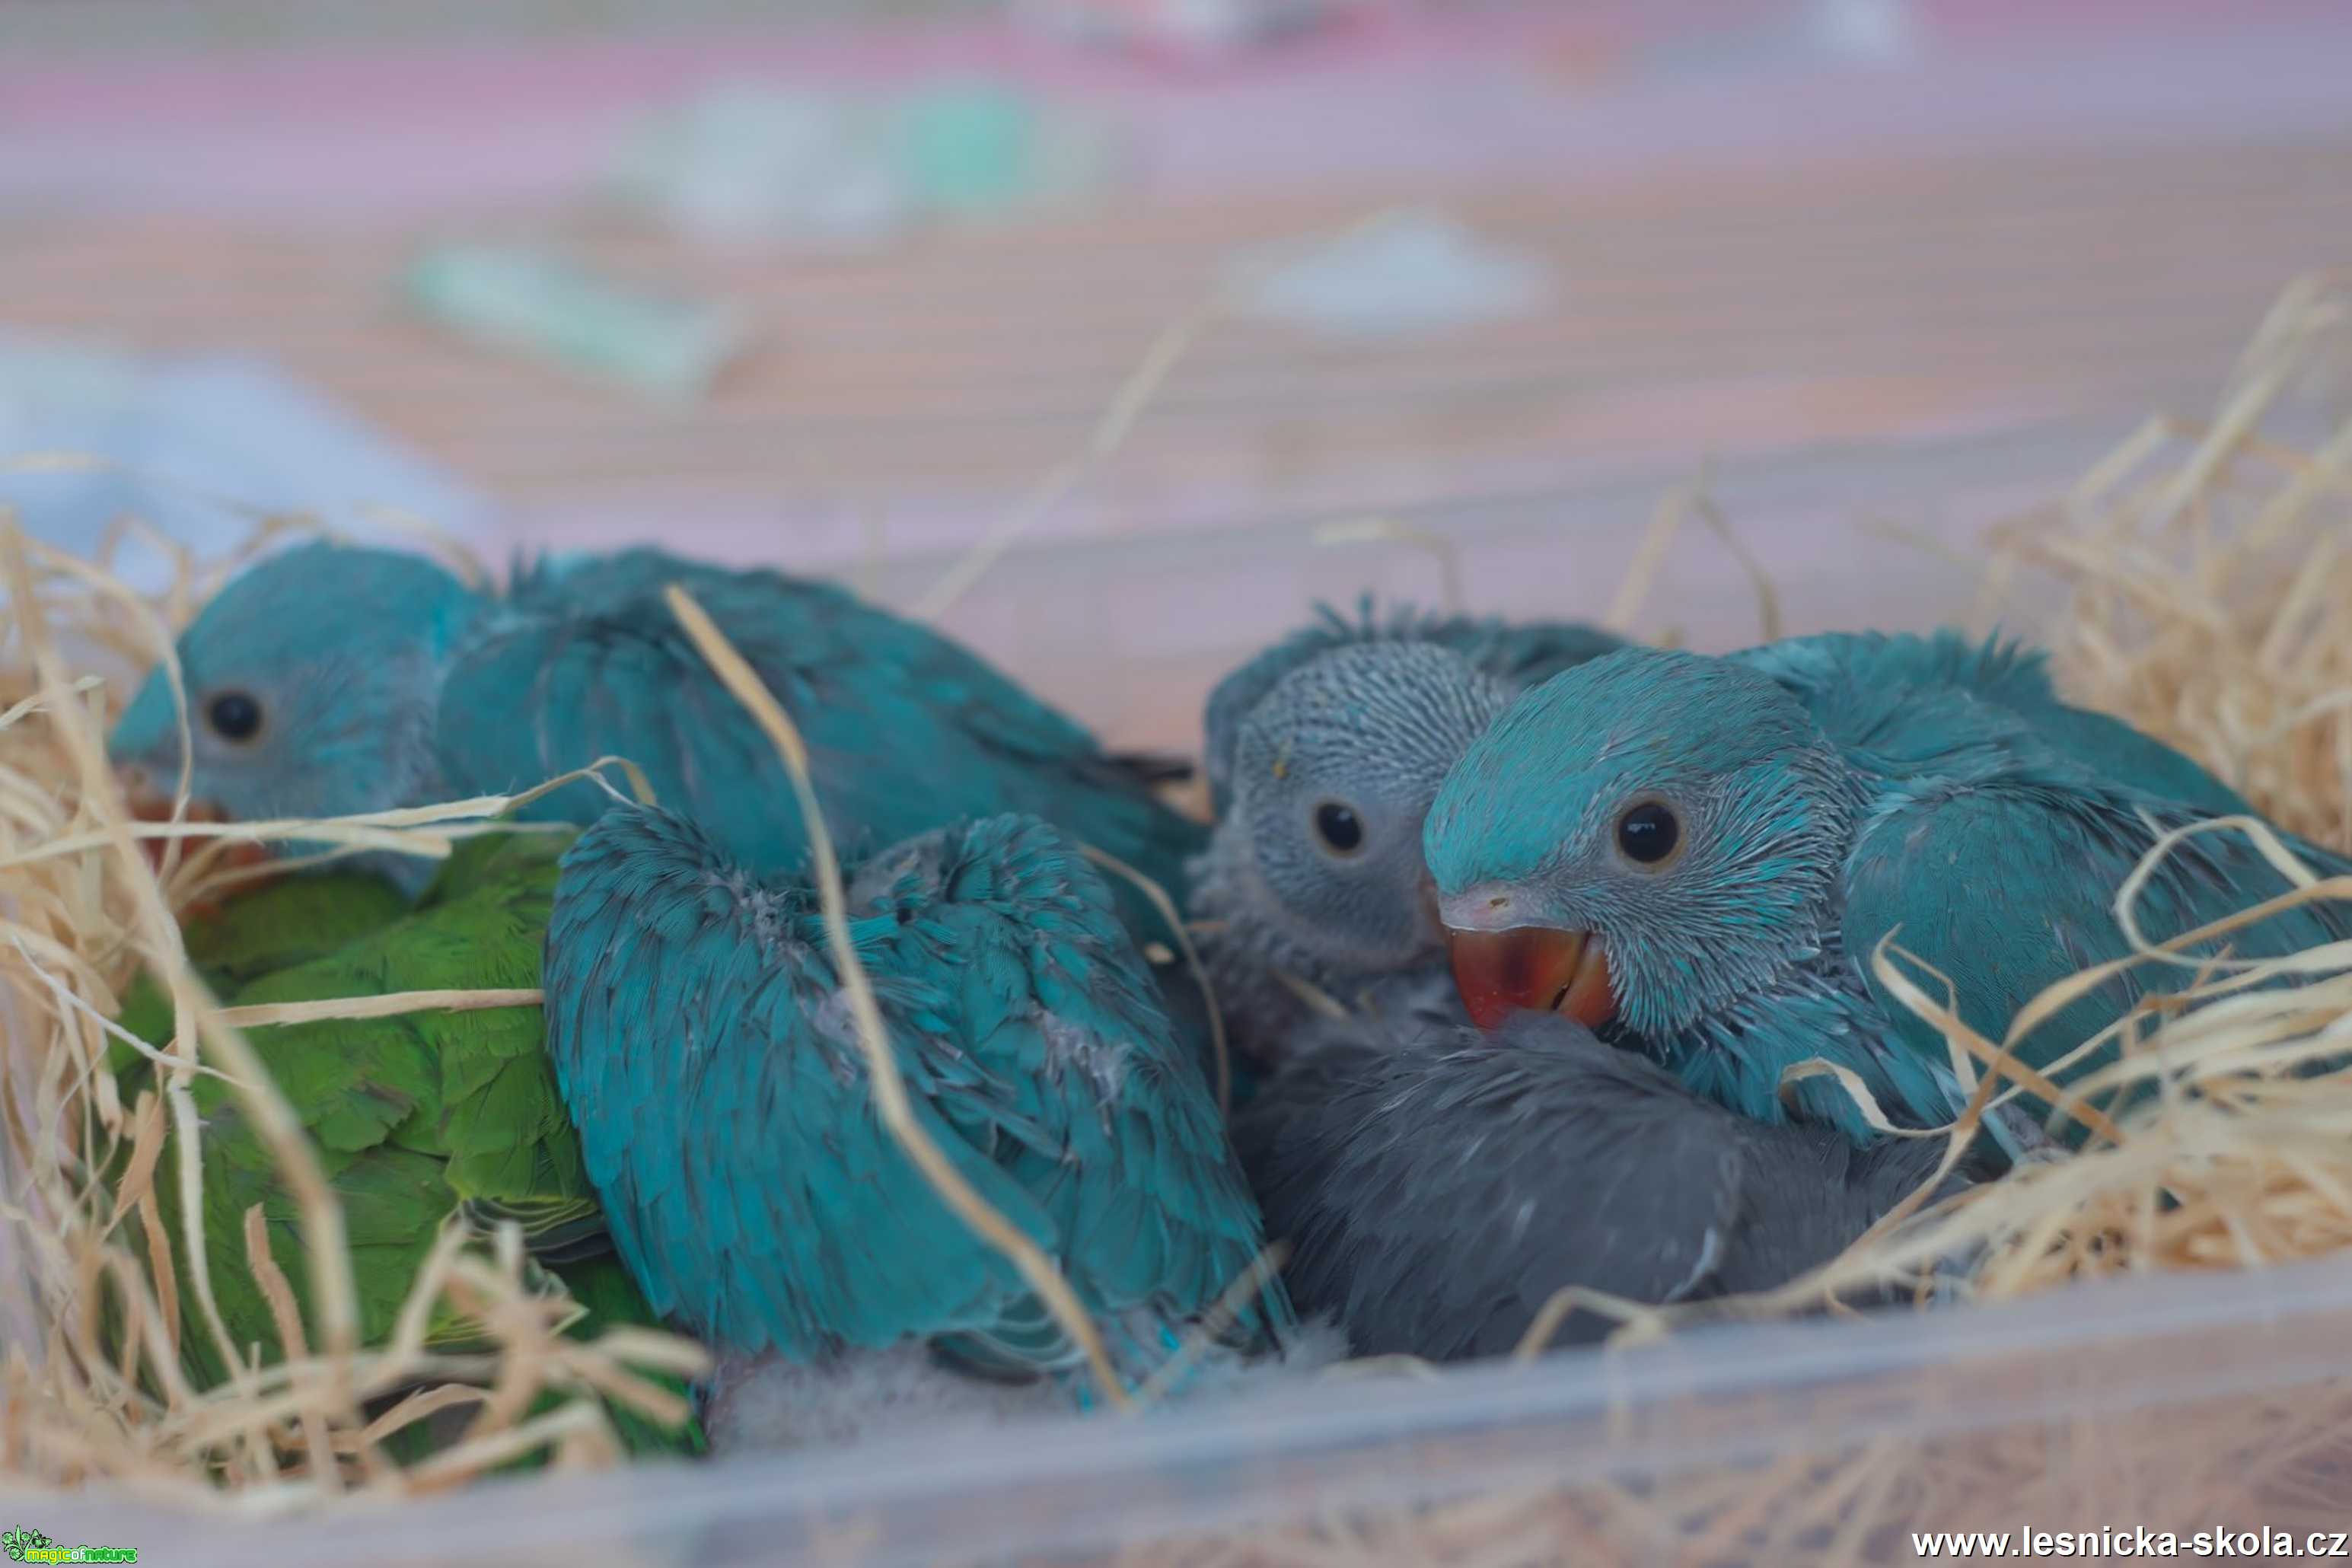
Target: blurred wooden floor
{"points": [[1728, 315], [1936, 292]]}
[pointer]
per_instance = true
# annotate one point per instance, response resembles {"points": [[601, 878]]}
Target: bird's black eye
{"points": [[1341, 830], [1648, 833], [234, 716]]}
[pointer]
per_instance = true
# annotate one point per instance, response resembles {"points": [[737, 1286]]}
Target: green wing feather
{"points": [[419, 1119], [277, 925], [281, 925], [288, 921]]}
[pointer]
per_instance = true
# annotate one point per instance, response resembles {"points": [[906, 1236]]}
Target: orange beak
{"points": [[149, 807], [1534, 969]]}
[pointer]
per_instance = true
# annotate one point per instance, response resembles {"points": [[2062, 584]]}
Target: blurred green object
{"points": [[418, 1120], [968, 148], [533, 304], [747, 161]]}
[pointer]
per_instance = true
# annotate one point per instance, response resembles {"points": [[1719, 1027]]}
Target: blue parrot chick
{"points": [[331, 680], [1324, 753], [705, 1048], [313, 683], [1588, 1165], [1707, 856]]}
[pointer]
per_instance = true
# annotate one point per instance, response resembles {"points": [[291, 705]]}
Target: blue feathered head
{"points": [[311, 680], [1646, 836]]}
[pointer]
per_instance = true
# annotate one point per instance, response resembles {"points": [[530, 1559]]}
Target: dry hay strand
{"points": [[88, 909], [83, 908], [2207, 565]]}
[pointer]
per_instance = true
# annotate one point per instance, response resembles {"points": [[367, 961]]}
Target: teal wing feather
{"points": [[2005, 822], [1895, 694], [905, 728], [1134, 1168], [704, 1045], [2006, 885], [726, 1114]]}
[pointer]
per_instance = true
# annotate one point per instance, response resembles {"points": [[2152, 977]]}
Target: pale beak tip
{"points": [[1475, 910]]}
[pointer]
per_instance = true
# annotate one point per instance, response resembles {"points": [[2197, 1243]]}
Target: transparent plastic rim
{"points": [[1728, 1394]]}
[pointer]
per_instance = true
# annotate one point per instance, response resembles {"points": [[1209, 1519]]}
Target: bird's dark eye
{"points": [[1648, 833], [234, 716], [1339, 826]]}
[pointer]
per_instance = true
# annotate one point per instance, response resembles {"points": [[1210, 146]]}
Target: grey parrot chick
{"points": [[1438, 1190], [1313, 884], [1324, 752]]}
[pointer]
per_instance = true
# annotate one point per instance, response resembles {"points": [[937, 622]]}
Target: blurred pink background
{"points": [[1876, 263]]}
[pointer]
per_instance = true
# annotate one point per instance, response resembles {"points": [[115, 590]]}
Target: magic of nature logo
{"points": [[23, 1545]]}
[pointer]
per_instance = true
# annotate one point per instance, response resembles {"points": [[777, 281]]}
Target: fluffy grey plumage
{"points": [[764, 1402], [1316, 872], [1363, 719], [1438, 1191], [1519, 654]]}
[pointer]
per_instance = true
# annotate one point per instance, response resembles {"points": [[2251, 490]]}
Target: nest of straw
{"points": [[2203, 567]]}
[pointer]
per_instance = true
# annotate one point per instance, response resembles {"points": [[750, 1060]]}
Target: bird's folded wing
{"points": [[905, 728], [728, 1119], [2008, 886]]}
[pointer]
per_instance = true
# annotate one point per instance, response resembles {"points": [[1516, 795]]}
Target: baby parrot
{"points": [[1436, 1191], [419, 1119], [1324, 753], [1706, 853], [705, 1045], [332, 679]]}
